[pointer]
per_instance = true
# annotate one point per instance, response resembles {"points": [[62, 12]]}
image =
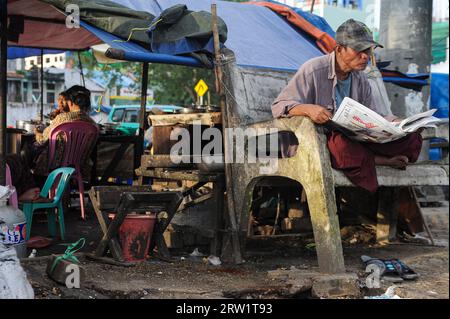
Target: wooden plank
{"points": [[166, 161], [113, 227], [109, 196], [196, 201], [109, 261], [208, 119], [161, 142], [385, 197], [180, 175], [414, 175], [414, 194], [218, 196], [114, 244]]}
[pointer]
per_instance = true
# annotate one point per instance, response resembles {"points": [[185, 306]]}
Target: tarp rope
{"points": [[138, 29]]}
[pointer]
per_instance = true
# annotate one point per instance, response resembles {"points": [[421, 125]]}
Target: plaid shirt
{"points": [[62, 118]]}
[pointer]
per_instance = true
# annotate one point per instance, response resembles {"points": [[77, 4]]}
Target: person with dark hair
{"points": [[79, 104], [80, 96], [62, 107]]}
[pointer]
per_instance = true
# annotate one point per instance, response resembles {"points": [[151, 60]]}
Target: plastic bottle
{"points": [[13, 226]]}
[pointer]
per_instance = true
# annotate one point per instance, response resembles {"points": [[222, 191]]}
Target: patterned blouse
{"points": [[62, 118], [42, 160]]}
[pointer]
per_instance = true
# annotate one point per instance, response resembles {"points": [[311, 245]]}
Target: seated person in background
{"points": [[21, 178], [79, 104], [32, 151], [62, 107]]}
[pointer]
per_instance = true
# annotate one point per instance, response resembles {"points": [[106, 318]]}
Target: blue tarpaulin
{"points": [[19, 52], [439, 94], [257, 36]]}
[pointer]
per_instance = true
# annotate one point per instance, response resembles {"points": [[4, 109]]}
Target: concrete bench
{"points": [[250, 93]]}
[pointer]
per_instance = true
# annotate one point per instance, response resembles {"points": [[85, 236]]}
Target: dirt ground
{"points": [[188, 277]]}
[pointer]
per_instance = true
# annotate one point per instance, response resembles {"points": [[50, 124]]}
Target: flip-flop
{"points": [[388, 271], [405, 272]]}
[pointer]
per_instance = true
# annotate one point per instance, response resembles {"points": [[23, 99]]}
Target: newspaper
{"points": [[362, 124]]}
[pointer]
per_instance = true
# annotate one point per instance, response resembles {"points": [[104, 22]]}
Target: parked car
{"points": [[127, 117]]}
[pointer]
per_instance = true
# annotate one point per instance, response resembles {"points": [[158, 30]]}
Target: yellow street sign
{"points": [[201, 88]]}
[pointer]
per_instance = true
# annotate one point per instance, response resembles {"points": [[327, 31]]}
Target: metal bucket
{"points": [[14, 140]]}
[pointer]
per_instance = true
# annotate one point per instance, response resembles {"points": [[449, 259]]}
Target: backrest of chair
{"points": [[13, 198], [62, 177], [78, 136]]}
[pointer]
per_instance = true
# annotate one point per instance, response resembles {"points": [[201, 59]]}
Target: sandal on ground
{"points": [[405, 272], [388, 270]]}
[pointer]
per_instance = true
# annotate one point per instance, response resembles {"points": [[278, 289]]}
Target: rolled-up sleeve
{"points": [[300, 90]]}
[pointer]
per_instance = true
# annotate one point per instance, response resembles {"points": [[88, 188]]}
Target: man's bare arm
{"points": [[316, 113]]}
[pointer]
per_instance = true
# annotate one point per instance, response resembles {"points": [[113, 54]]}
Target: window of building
{"points": [[61, 58], [47, 60], [56, 59], [35, 85], [50, 97], [51, 86], [14, 91]]}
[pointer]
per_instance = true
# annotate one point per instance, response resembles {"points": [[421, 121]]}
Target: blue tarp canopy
{"points": [[257, 36], [20, 52]]}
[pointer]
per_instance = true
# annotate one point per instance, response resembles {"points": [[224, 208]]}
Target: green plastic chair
{"points": [[64, 174]]}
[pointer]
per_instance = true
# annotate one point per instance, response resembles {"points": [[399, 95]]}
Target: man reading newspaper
{"points": [[319, 87]]}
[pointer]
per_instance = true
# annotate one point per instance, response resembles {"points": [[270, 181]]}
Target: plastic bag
{"points": [[13, 279]]}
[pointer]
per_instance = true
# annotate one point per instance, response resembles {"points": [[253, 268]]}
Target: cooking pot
{"points": [[28, 126]]}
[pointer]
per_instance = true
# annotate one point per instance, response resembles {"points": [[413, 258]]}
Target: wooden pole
{"points": [[41, 81], [425, 225], [231, 209], [140, 147], [3, 86], [278, 214]]}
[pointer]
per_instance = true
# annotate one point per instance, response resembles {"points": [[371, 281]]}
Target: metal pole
{"points": [[3, 87], [231, 209], [312, 5], [81, 69], [41, 113]]}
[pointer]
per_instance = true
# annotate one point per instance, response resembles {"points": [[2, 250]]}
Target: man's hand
{"points": [[316, 113], [319, 114]]}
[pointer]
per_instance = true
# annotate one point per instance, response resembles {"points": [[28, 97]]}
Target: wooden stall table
{"points": [[125, 199], [159, 166], [124, 141]]}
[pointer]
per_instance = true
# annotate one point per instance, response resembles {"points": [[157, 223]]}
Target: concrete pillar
{"points": [[405, 32]]}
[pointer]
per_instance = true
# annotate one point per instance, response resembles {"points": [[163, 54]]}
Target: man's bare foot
{"points": [[399, 162]]}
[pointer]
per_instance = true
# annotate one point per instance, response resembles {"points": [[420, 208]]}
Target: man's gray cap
{"points": [[356, 35]]}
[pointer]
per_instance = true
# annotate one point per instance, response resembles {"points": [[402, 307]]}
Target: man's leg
{"points": [[354, 159], [397, 153]]}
